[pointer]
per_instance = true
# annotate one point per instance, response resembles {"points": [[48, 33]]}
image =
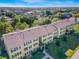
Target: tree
{"points": [[76, 28], [55, 19], [76, 15], [38, 22], [21, 26], [28, 19], [48, 13], [3, 26], [46, 20], [58, 14], [3, 19], [16, 19], [10, 14], [9, 29], [64, 38], [57, 43]]}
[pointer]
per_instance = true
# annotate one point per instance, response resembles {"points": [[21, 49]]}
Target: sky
{"points": [[39, 3]]}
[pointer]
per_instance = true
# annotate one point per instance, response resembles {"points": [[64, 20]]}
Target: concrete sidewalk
{"points": [[47, 56]]}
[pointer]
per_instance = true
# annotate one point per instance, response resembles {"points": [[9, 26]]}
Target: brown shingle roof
{"points": [[15, 39], [64, 23]]}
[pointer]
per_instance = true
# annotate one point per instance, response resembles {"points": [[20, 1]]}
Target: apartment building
{"points": [[24, 42], [64, 25]]}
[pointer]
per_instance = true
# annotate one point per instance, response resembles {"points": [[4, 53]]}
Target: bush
{"points": [[64, 38], [69, 53], [57, 43]]}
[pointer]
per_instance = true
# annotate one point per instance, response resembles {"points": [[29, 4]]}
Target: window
{"points": [[30, 46], [26, 48], [20, 57], [11, 50], [35, 44], [40, 37], [25, 44], [44, 39], [61, 28], [15, 54], [19, 47], [29, 42], [50, 37], [12, 56], [27, 53], [49, 34], [44, 35], [35, 40], [16, 48], [20, 52], [30, 51]]}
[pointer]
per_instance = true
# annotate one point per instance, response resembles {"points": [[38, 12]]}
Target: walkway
{"points": [[47, 56]]}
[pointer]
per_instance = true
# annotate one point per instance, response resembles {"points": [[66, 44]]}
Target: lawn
{"points": [[58, 51], [38, 55]]}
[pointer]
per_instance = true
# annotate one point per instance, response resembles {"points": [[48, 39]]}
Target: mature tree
{"points": [[48, 13], [46, 20], [3, 19], [21, 26], [76, 15], [1, 28], [55, 19], [57, 43], [3, 25], [64, 38], [9, 29], [58, 14], [38, 22], [10, 14], [28, 19], [76, 28], [42, 21], [16, 19]]}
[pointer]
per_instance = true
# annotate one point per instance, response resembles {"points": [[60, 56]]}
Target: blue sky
{"points": [[39, 3]]}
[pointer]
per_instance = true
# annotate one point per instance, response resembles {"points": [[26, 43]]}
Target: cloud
{"points": [[41, 3], [31, 1], [48, 5], [48, 2], [11, 5], [37, 2]]}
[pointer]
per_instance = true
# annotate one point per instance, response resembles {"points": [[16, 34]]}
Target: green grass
{"points": [[38, 55], [58, 51]]}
